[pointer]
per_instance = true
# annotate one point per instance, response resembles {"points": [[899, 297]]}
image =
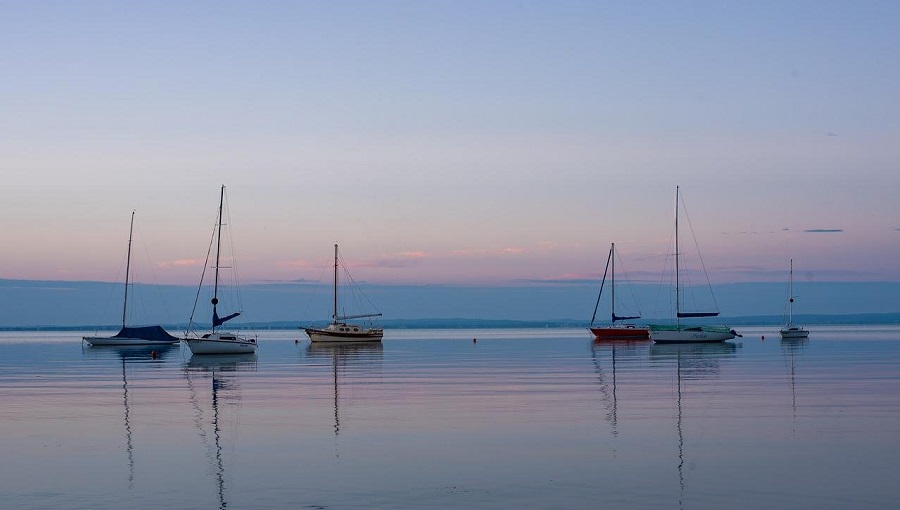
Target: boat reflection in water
{"points": [[128, 354], [692, 362], [606, 354], [790, 347], [347, 360], [222, 373]]}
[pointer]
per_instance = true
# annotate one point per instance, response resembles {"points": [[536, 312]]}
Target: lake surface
{"points": [[430, 419]]}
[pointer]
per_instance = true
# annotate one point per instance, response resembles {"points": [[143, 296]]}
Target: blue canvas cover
{"points": [[687, 315], [156, 333], [218, 321]]}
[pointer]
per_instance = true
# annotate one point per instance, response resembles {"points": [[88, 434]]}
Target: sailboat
{"points": [[615, 331], [791, 330], [133, 335], [339, 330], [217, 341], [682, 333]]}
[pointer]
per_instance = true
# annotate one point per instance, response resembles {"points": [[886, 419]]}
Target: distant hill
{"points": [[440, 323], [31, 304]]}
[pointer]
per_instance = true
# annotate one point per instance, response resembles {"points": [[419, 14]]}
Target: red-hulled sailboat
{"points": [[616, 330]]}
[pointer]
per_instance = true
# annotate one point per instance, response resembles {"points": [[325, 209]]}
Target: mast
{"points": [[334, 316], [215, 299], [791, 292], [127, 271], [612, 296], [677, 290]]}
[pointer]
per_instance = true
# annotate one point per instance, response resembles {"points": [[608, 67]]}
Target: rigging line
{"points": [[153, 273], [662, 276], [356, 285], [602, 282], [315, 291], [699, 253], [629, 284], [112, 289], [202, 276], [235, 276]]}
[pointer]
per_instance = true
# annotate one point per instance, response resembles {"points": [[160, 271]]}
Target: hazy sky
{"points": [[450, 141]]}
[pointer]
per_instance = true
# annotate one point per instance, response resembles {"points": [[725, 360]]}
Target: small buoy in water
{"points": [[474, 340], [764, 337], [296, 340], [153, 354]]}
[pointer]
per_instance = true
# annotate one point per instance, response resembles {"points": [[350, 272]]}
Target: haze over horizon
{"points": [[67, 304], [472, 143]]}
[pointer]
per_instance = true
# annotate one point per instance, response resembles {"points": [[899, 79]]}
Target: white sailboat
{"points": [[132, 335], [617, 330], [684, 333], [791, 330], [217, 341], [339, 330]]}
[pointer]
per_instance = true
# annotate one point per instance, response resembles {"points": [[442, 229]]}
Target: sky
{"points": [[469, 142]]}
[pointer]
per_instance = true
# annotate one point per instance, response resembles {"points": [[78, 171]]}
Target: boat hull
{"points": [[118, 340], [690, 335], [217, 345], [344, 333], [620, 333], [794, 333]]}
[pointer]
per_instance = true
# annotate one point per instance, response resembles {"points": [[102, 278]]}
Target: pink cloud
{"points": [[488, 251], [181, 263]]}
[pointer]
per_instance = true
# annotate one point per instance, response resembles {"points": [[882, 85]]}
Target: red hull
{"points": [[622, 333]]}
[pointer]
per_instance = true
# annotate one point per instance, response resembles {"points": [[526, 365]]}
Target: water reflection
{"points": [[789, 347], [345, 358], [692, 362], [222, 371], [614, 350], [127, 354]]}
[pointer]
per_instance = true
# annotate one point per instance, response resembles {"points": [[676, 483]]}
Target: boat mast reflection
{"points": [[607, 380], [344, 357], [692, 362], [222, 371], [791, 346], [127, 354]]}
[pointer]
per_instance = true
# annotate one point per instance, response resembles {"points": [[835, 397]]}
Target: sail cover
{"points": [[624, 317], [218, 321], [155, 333], [685, 315]]}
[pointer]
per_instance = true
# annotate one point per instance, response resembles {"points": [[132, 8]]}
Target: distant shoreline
{"points": [[456, 323]]}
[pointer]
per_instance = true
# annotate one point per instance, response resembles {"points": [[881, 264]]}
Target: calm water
{"points": [[429, 419]]}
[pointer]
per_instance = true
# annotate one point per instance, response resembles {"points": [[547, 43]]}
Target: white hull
{"points": [[794, 332], [690, 335], [118, 340], [348, 333], [221, 344]]}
